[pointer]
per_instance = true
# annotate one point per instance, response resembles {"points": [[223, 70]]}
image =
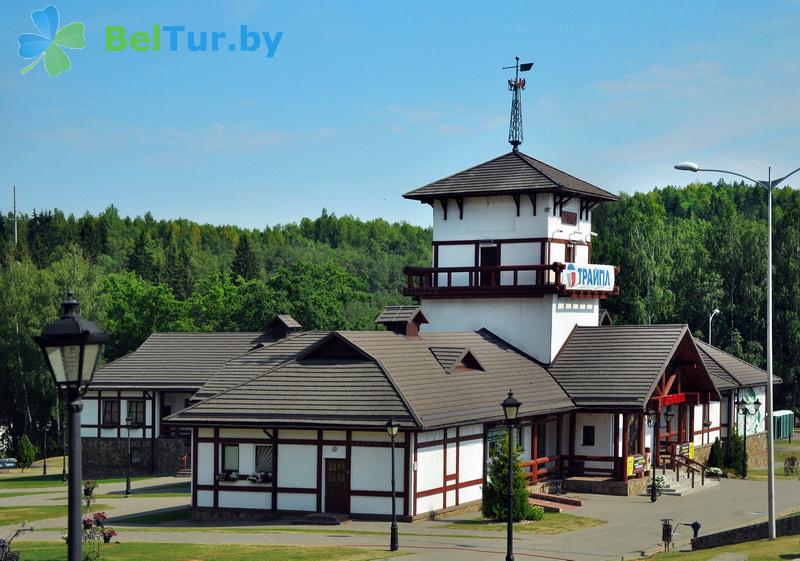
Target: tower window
{"points": [[569, 253]]}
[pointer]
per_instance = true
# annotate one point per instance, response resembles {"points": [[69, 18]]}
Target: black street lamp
{"points": [[510, 410], [71, 346], [44, 447], [744, 409], [391, 428], [654, 420], [128, 420]]}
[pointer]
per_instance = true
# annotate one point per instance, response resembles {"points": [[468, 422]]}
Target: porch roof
{"points": [[615, 365], [733, 372]]}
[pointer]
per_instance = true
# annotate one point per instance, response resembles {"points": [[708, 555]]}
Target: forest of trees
{"points": [[682, 253]]}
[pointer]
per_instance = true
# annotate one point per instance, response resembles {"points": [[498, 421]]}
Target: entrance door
{"points": [[489, 258], [336, 499]]}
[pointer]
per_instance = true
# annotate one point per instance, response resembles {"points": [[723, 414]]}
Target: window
{"points": [[263, 459], [136, 411], [136, 455], [110, 408], [230, 457], [588, 435], [569, 253]]}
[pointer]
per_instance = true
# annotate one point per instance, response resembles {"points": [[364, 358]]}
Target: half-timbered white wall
{"points": [[496, 217], [538, 326], [91, 416], [706, 435], [603, 424]]}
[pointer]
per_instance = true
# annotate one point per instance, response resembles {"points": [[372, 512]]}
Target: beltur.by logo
{"points": [[176, 37], [49, 46]]}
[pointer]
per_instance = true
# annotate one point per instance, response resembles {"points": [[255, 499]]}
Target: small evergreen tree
{"points": [[245, 263], [735, 454], [26, 452], [495, 492], [716, 457]]}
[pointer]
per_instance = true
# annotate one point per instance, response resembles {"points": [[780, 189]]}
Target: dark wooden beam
{"points": [[444, 206], [460, 203], [532, 197], [515, 196]]}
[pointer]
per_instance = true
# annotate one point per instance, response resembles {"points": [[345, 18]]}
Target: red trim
{"points": [[216, 468], [414, 467], [426, 444], [406, 474], [319, 471], [458, 455], [306, 441], [194, 467], [348, 461], [445, 489]]}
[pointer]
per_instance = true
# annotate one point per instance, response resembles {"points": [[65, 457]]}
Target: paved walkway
{"points": [[633, 525]]}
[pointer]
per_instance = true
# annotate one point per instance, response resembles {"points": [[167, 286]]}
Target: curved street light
{"points": [[769, 184], [710, 319]]}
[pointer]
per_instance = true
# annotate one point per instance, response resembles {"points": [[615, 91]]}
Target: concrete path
{"points": [[633, 526]]}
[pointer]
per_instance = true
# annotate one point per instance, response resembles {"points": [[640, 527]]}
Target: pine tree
{"points": [[495, 492], [26, 452], [142, 259], [716, 457], [179, 270], [245, 263], [735, 454]]}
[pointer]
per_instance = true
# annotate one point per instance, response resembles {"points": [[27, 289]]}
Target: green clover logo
{"points": [[48, 45]]}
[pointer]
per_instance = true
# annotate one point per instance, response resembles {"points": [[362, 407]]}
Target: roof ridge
{"points": [[524, 157], [733, 357]]}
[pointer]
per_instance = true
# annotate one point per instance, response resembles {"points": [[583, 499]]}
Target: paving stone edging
{"points": [[786, 526]]}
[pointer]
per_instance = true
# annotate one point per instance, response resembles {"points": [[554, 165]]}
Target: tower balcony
{"points": [[512, 281]]}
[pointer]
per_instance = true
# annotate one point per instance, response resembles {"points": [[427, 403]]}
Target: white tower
{"points": [[512, 252]]}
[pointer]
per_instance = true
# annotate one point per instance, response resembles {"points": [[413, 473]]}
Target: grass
{"points": [[786, 547], [4, 495], [178, 515], [46, 551], [54, 480], [783, 448], [139, 494], [552, 523], [13, 515]]}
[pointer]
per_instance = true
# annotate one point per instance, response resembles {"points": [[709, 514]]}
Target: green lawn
{"points": [[5, 495], [14, 515], [786, 547], [181, 514], [33, 481], [552, 523], [47, 551], [783, 448]]}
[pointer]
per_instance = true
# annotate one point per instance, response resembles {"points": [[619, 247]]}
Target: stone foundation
{"points": [[787, 526], [601, 486], [108, 457], [756, 451]]}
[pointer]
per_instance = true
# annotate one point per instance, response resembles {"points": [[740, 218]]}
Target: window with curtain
{"points": [[230, 457], [110, 409], [263, 459], [136, 411]]}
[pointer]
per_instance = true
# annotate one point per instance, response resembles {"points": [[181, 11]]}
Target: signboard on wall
{"points": [[568, 217], [686, 449], [637, 464], [588, 277]]}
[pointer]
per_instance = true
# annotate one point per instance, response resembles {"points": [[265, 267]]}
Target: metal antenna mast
{"points": [[516, 86]]}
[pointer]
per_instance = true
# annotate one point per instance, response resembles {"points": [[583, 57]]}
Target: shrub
{"points": [[495, 492], [535, 512], [735, 454], [716, 457], [790, 465], [26, 452]]}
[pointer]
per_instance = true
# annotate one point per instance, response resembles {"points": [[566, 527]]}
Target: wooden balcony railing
{"points": [[494, 281], [470, 281]]}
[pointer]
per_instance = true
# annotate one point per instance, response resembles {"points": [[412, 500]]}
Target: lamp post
{"points": [[769, 184], [710, 319], [63, 451], [44, 447], [510, 411], [71, 346], [128, 421], [744, 408], [391, 428], [653, 419]]}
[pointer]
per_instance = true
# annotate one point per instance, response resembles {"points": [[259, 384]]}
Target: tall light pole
{"points": [[71, 346], [510, 411], [128, 421], [770, 184], [710, 319], [391, 428]]}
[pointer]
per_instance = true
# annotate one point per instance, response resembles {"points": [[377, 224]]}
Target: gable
{"points": [[454, 359]]}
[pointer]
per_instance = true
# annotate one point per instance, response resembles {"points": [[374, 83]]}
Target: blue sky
{"points": [[366, 100]]}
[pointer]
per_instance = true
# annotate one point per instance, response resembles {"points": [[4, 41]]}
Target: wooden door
{"points": [[336, 499], [489, 258]]}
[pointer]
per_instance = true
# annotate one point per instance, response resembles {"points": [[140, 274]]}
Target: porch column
{"points": [[535, 449], [656, 436], [641, 434], [560, 462], [571, 443]]}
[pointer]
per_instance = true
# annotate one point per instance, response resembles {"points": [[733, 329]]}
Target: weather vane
{"points": [[516, 86]]}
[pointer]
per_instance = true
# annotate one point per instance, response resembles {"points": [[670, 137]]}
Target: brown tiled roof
{"points": [[441, 399], [513, 172], [243, 368], [615, 365], [286, 320], [731, 368], [387, 375], [174, 360], [396, 314], [448, 356]]}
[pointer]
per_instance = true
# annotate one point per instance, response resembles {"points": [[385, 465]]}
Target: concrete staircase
{"points": [[683, 486], [184, 472], [554, 503]]}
